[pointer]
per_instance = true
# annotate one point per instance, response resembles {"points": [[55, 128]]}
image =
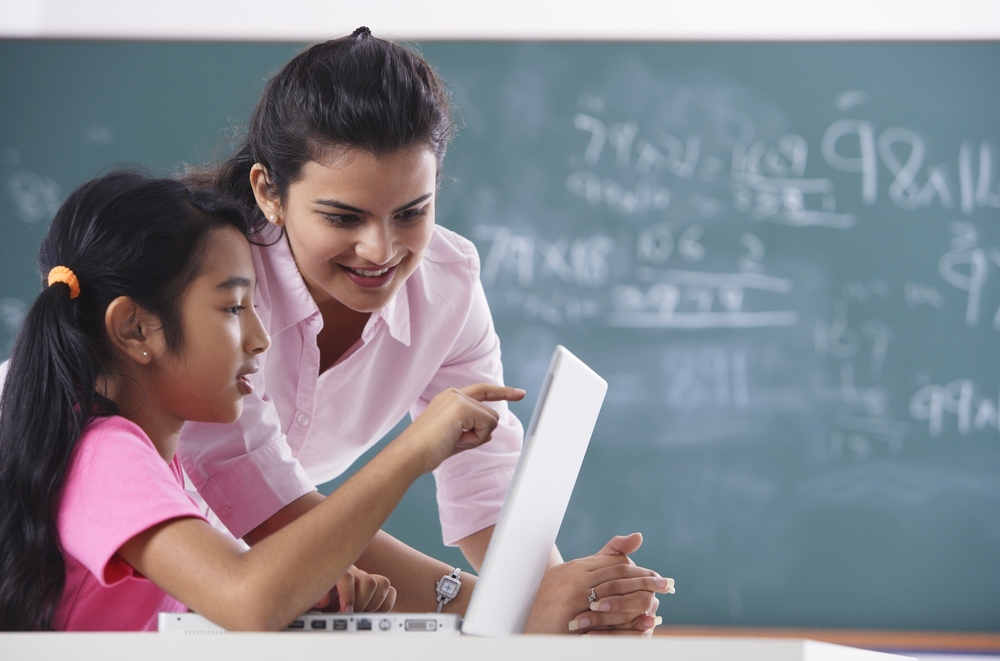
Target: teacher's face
{"points": [[358, 224]]}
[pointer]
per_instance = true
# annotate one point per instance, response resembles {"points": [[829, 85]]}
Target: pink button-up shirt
{"points": [[302, 428]]}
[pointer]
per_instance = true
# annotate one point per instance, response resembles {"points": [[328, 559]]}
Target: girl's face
{"points": [[205, 378], [358, 225]]}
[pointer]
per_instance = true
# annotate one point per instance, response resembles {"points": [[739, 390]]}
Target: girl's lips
{"points": [[244, 384], [369, 282]]}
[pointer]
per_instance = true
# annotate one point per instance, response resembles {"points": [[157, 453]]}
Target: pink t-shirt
{"points": [[301, 428], [117, 486]]}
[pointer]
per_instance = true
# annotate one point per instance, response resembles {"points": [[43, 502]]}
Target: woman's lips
{"points": [[358, 277]]}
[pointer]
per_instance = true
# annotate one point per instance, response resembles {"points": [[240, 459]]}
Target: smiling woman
{"points": [[358, 226], [372, 309]]}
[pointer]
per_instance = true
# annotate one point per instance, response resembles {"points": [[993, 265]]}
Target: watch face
{"points": [[448, 587]]}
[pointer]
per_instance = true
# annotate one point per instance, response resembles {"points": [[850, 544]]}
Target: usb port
{"points": [[420, 625], [318, 624], [364, 624], [297, 624], [340, 625]]}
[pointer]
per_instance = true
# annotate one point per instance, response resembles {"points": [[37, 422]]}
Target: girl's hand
{"points": [[625, 594], [456, 420], [358, 591]]}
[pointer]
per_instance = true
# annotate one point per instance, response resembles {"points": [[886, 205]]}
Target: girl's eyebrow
{"points": [[235, 282], [362, 212]]}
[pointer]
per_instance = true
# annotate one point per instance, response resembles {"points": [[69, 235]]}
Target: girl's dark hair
{"points": [[123, 234], [354, 93]]}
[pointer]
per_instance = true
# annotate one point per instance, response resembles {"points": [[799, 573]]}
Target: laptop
{"points": [[555, 443], [446, 624]]}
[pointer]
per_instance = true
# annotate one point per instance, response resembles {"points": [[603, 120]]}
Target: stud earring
{"points": [[272, 217], [145, 355]]}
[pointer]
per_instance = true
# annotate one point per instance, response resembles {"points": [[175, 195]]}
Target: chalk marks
{"points": [[37, 198], [883, 481]]}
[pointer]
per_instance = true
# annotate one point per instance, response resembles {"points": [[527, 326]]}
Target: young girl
{"points": [[372, 308], [148, 321]]}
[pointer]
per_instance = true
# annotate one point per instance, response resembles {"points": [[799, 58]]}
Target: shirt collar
{"points": [[288, 297], [396, 315]]}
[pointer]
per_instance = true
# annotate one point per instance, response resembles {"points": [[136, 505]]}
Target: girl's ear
{"points": [[129, 328], [266, 196]]}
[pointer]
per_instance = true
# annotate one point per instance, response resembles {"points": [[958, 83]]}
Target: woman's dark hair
{"points": [[353, 93], [123, 234]]}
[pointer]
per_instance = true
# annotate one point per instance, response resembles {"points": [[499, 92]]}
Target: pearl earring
{"points": [[145, 355], [272, 217]]}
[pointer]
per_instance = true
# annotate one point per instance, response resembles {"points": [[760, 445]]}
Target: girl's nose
{"points": [[257, 338]]}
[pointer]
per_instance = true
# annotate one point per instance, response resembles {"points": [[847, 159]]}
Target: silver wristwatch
{"points": [[447, 588]]}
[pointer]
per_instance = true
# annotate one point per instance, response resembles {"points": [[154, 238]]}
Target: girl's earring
{"points": [[145, 355]]}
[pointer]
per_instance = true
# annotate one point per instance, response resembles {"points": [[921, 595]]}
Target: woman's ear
{"points": [[130, 329], [265, 194]]}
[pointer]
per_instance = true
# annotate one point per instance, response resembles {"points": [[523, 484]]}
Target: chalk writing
{"points": [[582, 262], [714, 377], [960, 398]]}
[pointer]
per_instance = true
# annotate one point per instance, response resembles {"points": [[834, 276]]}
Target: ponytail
{"points": [[49, 398]]}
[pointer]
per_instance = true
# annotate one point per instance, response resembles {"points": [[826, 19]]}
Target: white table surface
{"points": [[367, 647]]}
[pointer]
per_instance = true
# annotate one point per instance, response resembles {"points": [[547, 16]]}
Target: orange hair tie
{"points": [[66, 276]]}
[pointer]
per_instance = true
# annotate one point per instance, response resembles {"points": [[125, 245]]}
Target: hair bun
{"points": [[361, 32]]}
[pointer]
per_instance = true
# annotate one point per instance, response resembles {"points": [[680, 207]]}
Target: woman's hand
{"points": [[625, 594], [358, 591], [456, 420]]}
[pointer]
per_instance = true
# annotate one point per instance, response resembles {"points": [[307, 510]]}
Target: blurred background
{"points": [[771, 226]]}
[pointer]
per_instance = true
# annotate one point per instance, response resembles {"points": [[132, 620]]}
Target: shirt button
{"points": [[303, 419]]}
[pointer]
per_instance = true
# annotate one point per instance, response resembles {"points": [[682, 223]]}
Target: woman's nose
{"points": [[375, 243]]}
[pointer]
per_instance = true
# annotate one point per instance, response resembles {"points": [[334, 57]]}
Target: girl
{"points": [[362, 293], [148, 321]]}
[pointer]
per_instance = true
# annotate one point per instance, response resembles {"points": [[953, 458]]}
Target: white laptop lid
{"points": [[554, 446]]}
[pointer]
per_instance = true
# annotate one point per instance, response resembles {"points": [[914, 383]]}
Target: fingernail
{"points": [[670, 590], [657, 621], [581, 623], [601, 606], [664, 583], [349, 608]]}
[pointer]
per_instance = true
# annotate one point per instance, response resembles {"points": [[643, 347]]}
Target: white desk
{"points": [[361, 647]]}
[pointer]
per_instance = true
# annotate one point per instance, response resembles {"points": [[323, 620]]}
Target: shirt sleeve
{"points": [[245, 470], [117, 486], [472, 485]]}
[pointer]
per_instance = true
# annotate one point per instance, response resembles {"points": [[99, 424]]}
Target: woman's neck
{"points": [[342, 328]]}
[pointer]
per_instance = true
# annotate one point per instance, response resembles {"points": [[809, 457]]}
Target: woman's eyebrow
{"points": [[361, 212]]}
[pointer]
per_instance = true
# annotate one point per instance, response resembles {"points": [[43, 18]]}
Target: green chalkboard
{"points": [[784, 258]]}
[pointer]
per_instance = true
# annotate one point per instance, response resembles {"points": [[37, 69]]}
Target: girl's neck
{"points": [[130, 397]]}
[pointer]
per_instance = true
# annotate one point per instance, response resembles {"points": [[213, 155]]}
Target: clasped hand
{"points": [[625, 594]]}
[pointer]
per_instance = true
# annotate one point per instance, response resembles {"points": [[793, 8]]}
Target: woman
{"points": [[372, 308]]}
